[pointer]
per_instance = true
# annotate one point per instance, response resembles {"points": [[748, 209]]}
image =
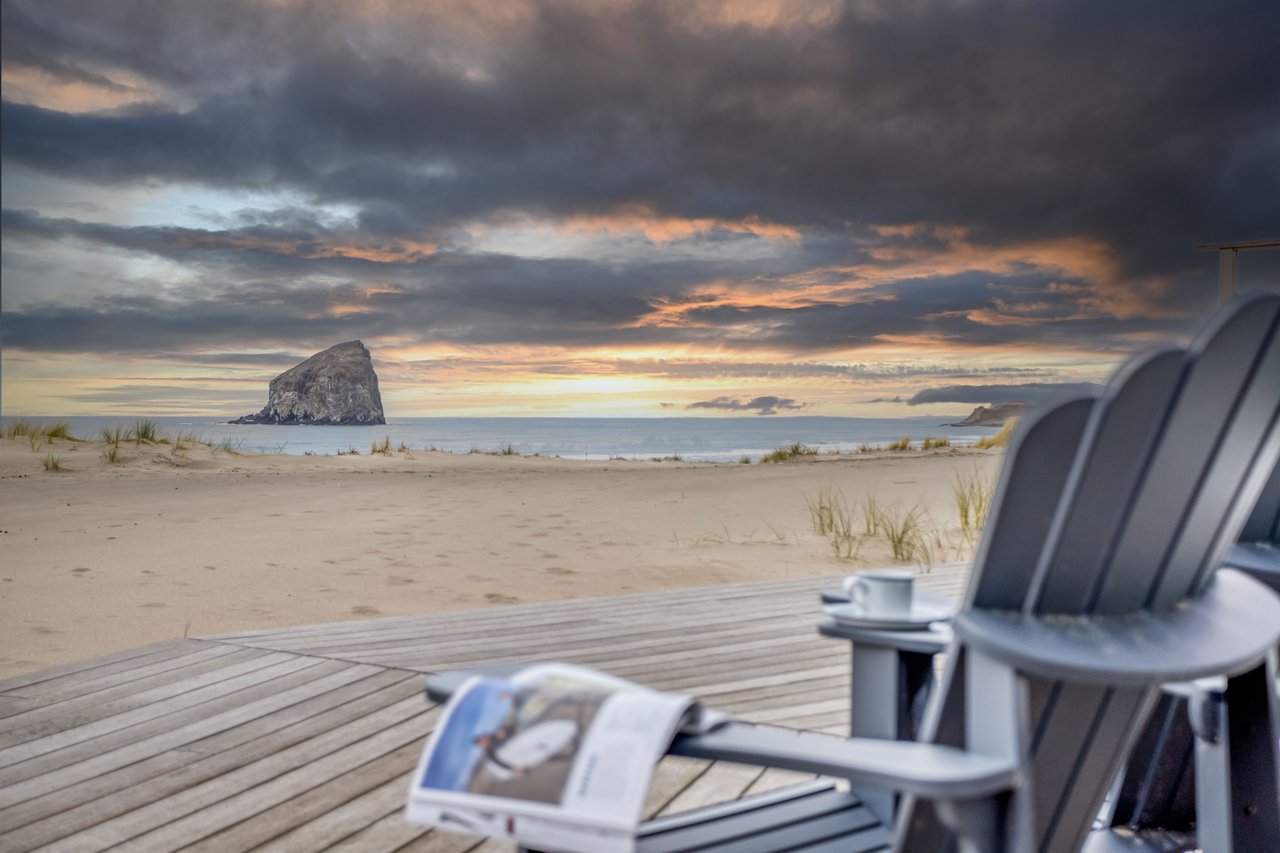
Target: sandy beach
{"points": [[163, 543]]}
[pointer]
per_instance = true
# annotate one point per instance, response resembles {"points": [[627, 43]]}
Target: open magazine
{"points": [[556, 756]]}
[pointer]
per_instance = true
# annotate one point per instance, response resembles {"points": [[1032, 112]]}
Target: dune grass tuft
{"points": [[508, 450], [21, 428], [903, 443], [52, 463], [833, 519], [786, 454], [145, 431], [972, 492], [1000, 439], [57, 431], [903, 532], [383, 447], [931, 443], [183, 441]]}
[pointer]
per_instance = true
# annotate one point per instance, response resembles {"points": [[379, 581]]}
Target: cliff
{"points": [[337, 386], [994, 416]]}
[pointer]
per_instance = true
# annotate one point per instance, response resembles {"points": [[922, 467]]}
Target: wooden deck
{"points": [[304, 739]]}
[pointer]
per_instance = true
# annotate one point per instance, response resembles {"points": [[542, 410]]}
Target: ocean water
{"points": [[693, 439]]}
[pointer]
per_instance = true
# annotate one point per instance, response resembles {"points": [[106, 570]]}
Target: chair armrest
{"points": [[1260, 561], [928, 770], [1227, 630]]}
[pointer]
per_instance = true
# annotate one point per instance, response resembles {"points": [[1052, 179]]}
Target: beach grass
{"points": [[903, 443], [228, 446], [903, 531], [508, 450], [52, 463], [788, 453], [183, 441], [1000, 439], [58, 430], [21, 428], [931, 443], [833, 519], [972, 492], [145, 431], [383, 447]]}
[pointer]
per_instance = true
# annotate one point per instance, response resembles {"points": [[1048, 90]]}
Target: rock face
{"points": [[994, 416], [337, 386]]}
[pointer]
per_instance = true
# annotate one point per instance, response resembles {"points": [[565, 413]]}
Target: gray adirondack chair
{"points": [[1094, 584]]}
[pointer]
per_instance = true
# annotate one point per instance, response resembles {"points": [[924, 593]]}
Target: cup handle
{"points": [[856, 589]]}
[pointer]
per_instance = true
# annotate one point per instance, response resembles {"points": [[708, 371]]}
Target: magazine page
{"points": [[697, 719], [555, 755]]}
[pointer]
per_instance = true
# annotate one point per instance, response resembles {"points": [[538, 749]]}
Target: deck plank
{"points": [[113, 781], [305, 738]]}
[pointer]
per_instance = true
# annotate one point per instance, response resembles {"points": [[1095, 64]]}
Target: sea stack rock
{"points": [[337, 387], [994, 416]]}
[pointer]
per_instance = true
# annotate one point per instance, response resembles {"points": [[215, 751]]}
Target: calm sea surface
{"points": [[694, 439]]}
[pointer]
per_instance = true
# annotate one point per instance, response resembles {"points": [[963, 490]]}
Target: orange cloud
{"points": [[1106, 290], [666, 229], [310, 248], [26, 85]]}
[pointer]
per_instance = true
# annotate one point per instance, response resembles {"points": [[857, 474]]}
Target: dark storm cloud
{"points": [[1032, 393], [766, 405], [1020, 121], [1015, 123]]}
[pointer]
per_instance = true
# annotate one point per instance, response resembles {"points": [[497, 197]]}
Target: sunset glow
{"points": [[622, 209]]}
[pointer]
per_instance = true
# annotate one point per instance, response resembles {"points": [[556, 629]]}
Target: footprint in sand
{"points": [[211, 568], [365, 610], [500, 598], [80, 570], [559, 570]]}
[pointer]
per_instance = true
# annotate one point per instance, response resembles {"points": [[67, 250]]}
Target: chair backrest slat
{"points": [[1248, 450], [1121, 442], [1024, 502], [1224, 360]]}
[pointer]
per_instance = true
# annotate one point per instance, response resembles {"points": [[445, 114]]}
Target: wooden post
{"points": [[1229, 262]]}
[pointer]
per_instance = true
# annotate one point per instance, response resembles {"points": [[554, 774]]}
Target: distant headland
{"points": [[336, 387], [994, 416]]}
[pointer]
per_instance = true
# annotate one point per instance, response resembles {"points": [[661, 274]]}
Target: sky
{"points": [[876, 208]]}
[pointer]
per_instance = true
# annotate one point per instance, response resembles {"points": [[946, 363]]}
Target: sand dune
{"points": [[100, 556]]}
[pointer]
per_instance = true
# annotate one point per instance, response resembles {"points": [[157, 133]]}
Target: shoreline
{"points": [[103, 556]]}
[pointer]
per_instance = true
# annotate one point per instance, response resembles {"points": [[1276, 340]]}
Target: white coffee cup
{"points": [[883, 593]]}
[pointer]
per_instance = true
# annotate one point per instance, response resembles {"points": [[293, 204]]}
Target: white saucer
{"points": [[922, 613]]}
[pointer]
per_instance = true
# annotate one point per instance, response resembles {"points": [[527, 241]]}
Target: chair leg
{"points": [[1238, 763], [1253, 726]]}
